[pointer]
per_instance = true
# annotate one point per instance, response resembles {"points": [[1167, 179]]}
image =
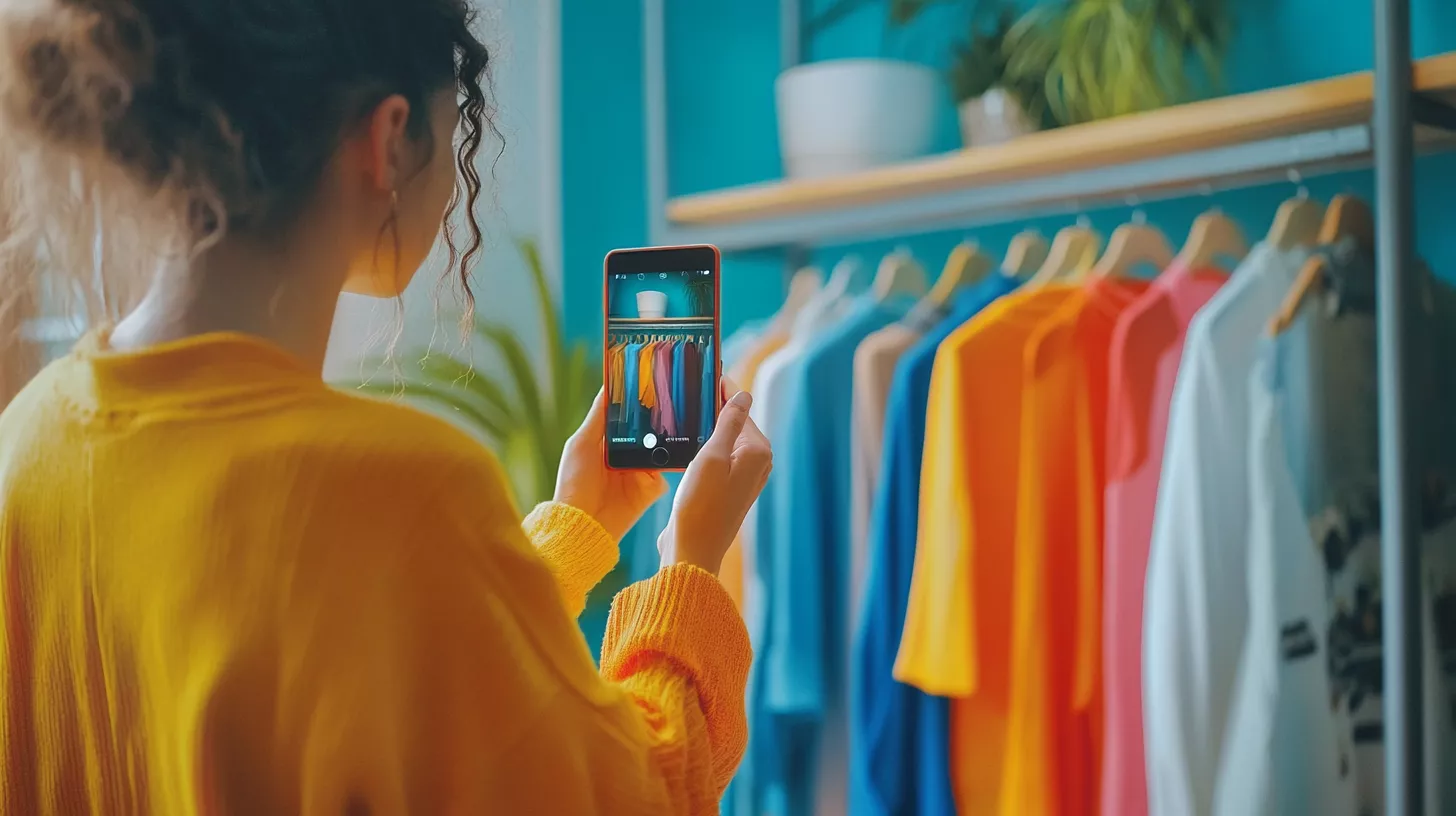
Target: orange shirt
{"points": [[1053, 733], [957, 636]]}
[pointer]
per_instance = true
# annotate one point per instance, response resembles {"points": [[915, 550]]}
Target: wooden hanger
{"points": [[802, 287], [1025, 254], [1074, 250], [965, 265], [1346, 217], [1296, 223], [1214, 237], [1133, 244], [899, 274]]}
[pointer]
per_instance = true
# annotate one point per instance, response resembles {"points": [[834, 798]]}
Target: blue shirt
{"points": [[710, 393], [680, 389], [631, 406], [900, 736], [803, 654]]}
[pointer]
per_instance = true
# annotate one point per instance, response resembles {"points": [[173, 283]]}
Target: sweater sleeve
{"points": [[575, 548], [674, 642]]}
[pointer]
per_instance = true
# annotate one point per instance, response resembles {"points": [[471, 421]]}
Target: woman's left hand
{"points": [[615, 498]]}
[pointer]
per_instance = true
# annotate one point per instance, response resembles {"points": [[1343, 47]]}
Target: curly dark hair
{"points": [[226, 111]]}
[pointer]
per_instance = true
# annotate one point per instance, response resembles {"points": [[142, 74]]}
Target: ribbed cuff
{"points": [[685, 616], [579, 551]]}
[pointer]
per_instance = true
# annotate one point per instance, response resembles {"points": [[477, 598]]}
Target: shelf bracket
{"points": [[1433, 112]]}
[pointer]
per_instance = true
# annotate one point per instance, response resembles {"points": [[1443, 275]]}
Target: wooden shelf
{"points": [[1273, 121], [674, 321]]}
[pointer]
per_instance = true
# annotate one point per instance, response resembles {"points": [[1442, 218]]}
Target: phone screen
{"points": [[661, 355]]}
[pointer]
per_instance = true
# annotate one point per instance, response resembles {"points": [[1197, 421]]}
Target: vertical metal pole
{"points": [[791, 53], [654, 103], [791, 33], [1399, 467]]}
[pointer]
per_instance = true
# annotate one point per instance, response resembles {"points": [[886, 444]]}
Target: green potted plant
{"points": [[1106, 58], [995, 102]]}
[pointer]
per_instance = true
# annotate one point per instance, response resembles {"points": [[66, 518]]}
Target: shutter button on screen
{"points": [[660, 456]]}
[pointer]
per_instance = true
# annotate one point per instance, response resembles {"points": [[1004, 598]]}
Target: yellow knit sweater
{"points": [[226, 588]]}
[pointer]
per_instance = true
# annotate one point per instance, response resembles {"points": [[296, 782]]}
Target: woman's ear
{"points": [[386, 146]]}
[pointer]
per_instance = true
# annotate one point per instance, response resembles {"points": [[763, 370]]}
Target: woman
{"points": [[228, 589]]}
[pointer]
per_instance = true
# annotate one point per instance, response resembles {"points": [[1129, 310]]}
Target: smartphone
{"points": [[661, 360]]}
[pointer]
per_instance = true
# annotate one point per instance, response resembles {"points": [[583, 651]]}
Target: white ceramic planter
{"points": [[842, 116], [652, 305], [992, 118]]}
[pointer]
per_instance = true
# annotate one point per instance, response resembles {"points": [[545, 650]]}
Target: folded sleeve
{"points": [[578, 551]]}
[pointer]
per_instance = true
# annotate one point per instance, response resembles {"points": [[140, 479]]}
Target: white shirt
{"points": [[1195, 611]]}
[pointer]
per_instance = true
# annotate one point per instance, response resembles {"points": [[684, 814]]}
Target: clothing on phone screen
{"points": [[679, 374], [692, 394], [709, 394], [666, 418]]}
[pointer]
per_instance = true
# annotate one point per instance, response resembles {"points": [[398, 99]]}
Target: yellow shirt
{"points": [[616, 372], [228, 588], [957, 636], [646, 387]]}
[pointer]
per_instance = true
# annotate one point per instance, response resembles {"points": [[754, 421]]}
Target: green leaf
{"points": [[550, 319]]}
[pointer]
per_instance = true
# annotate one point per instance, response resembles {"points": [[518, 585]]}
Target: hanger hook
{"points": [[1206, 190], [1139, 217], [1084, 221], [1297, 180]]}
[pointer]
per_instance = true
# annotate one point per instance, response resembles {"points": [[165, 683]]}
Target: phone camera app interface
{"points": [[662, 383]]}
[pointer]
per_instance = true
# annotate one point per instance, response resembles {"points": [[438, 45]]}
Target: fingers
{"points": [[753, 455], [731, 421]]}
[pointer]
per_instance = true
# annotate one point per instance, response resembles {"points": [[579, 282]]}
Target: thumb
{"points": [[731, 421], [595, 423]]}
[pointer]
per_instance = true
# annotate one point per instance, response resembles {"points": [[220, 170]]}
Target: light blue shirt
{"points": [[804, 654]]}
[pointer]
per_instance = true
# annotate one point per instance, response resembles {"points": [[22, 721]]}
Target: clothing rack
{"points": [[792, 215]]}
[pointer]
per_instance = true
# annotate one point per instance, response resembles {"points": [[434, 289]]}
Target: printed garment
{"points": [[1306, 727]]}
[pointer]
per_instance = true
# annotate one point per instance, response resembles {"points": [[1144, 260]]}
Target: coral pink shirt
{"points": [[1147, 346]]}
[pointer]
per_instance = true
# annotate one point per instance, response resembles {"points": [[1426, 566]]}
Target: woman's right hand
{"points": [[719, 486]]}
